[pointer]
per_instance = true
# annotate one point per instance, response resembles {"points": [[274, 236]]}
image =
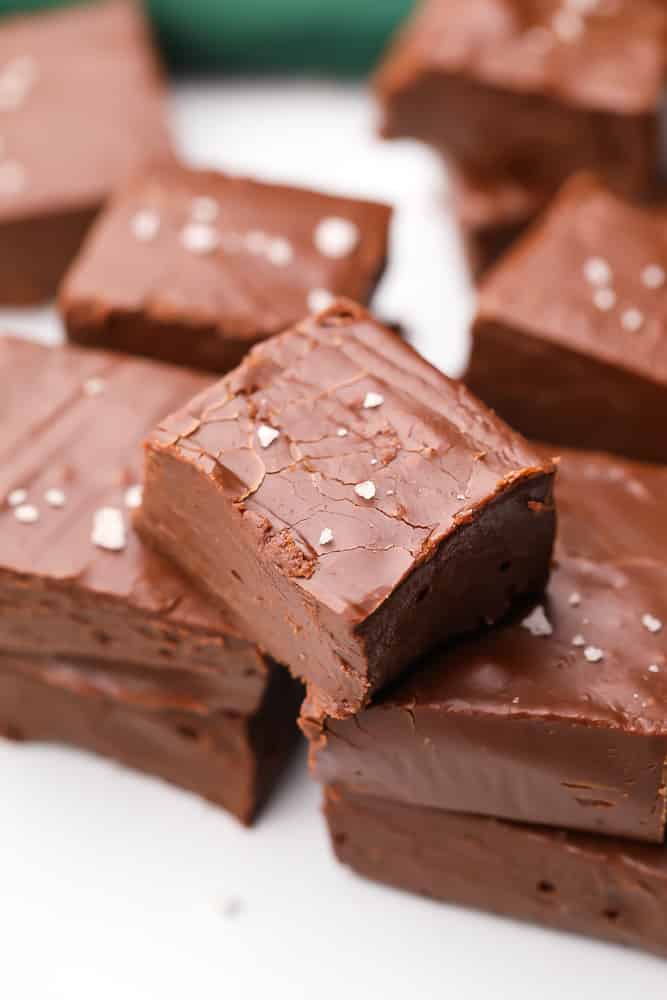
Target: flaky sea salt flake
{"points": [[26, 513], [54, 497], [336, 237], [372, 400], [267, 435], [651, 623], [537, 622], [365, 490], [109, 529], [134, 496]]}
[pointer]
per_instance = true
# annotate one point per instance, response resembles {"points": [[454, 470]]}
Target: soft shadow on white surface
{"points": [[116, 886]]}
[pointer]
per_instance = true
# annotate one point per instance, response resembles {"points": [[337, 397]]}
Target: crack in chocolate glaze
{"points": [[388, 490]]}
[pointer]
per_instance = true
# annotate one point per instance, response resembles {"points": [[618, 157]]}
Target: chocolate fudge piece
{"points": [[569, 342], [559, 717], [352, 505], [491, 216], [597, 886], [533, 90], [195, 267], [175, 724], [93, 624], [81, 107]]}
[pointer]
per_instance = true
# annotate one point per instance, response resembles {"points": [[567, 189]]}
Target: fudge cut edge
{"points": [[600, 887], [229, 758], [427, 88], [587, 393], [204, 338], [345, 656]]}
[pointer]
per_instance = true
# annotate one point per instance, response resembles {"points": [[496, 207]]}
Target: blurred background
{"points": [[265, 36]]}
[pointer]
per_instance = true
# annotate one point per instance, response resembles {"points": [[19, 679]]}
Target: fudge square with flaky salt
{"points": [[195, 266], [569, 342], [350, 503]]}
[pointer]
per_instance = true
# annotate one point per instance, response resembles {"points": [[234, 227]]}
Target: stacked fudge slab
{"points": [[522, 93], [558, 718], [179, 264], [103, 644], [569, 341], [349, 503], [81, 107]]}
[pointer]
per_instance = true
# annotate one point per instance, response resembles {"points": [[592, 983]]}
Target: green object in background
{"points": [[251, 36]]}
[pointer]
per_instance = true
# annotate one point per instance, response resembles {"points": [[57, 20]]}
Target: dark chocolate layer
{"points": [[195, 266], [559, 717], [603, 888], [339, 493]]}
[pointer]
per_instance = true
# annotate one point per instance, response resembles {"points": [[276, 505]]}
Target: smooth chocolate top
{"points": [[612, 57], [71, 424], [81, 106], [202, 248], [352, 456], [606, 295], [605, 662]]}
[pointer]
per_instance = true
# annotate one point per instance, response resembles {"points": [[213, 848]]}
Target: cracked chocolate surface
{"points": [[390, 481], [154, 279], [432, 453], [558, 717]]}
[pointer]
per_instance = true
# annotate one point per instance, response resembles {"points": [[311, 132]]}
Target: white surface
{"points": [[116, 886]]}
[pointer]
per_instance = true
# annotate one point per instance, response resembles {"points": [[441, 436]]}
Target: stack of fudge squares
{"points": [[106, 645], [469, 624]]}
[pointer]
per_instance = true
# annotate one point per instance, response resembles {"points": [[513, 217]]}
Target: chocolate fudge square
{"points": [[102, 643], [559, 717], [569, 342], [176, 725], [352, 505], [597, 886], [491, 217], [81, 108], [195, 267], [533, 90]]}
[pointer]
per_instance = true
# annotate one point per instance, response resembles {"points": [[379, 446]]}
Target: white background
{"points": [[116, 886]]}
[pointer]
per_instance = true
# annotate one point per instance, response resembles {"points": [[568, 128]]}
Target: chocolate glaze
{"points": [[509, 90], [459, 513], [597, 370], [156, 297], [522, 726], [604, 888], [84, 110]]}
